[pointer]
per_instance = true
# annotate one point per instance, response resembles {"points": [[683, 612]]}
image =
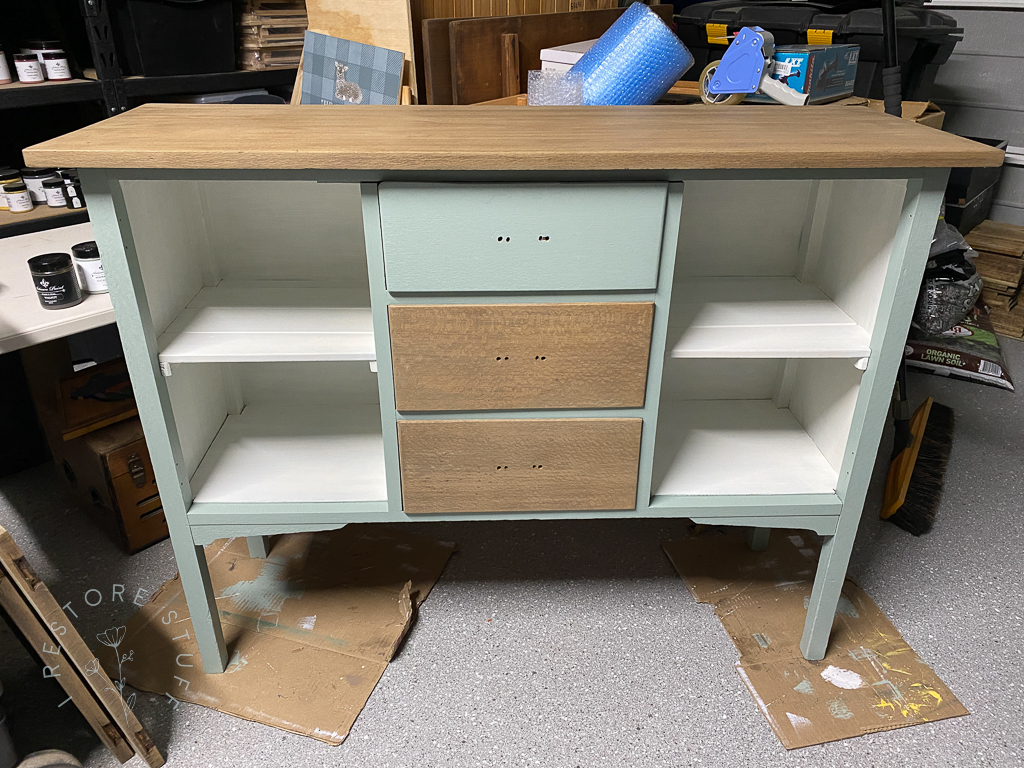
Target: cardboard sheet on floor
{"points": [[871, 680], [309, 630]]}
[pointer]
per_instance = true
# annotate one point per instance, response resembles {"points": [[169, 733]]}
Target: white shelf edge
{"points": [[760, 317]]}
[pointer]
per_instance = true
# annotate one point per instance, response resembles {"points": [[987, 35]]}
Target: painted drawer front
{"points": [[521, 237], [518, 465], [520, 356]]}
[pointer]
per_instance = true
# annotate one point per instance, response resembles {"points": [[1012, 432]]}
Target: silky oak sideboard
{"points": [[335, 315]]}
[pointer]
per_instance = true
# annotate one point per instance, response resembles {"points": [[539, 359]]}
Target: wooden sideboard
{"points": [[336, 315]]}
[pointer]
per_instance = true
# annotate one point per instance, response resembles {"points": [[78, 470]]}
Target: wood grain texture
{"points": [[510, 65], [46, 649], [76, 653], [518, 465], [442, 138], [384, 23], [476, 52], [509, 356], [437, 60], [997, 237]]}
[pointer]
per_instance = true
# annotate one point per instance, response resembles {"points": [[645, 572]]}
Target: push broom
{"points": [[922, 442]]}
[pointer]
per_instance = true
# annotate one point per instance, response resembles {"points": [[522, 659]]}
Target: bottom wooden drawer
{"points": [[518, 465]]}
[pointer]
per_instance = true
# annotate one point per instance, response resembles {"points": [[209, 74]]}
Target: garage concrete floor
{"points": [[575, 643]]}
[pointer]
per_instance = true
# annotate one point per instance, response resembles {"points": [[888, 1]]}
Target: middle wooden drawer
{"points": [[466, 357]]}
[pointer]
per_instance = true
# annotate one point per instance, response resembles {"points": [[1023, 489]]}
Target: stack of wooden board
{"points": [[270, 34], [43, 627], [1000, 262]]}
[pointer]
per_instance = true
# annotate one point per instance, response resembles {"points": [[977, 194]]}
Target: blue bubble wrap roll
{"points": [[635, 62]]}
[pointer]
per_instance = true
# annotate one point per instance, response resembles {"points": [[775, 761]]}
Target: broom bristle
{"points": [[917, 514]]}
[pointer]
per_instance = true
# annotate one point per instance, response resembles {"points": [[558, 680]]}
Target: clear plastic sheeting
{"points": [[951, 283], [551, 88], [635, 62]]}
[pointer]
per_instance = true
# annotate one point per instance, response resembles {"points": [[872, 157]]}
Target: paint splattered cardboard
{"points": [[871, 680], [310, 630]]}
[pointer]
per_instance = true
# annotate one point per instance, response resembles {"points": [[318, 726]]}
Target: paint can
{"points": [[54, 191], [56, 64], [18, 198], [29, 68], [34, 178], [56, 281], [90, 269]]}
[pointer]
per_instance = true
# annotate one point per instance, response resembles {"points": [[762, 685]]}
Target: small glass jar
{"points": [[56, 281], [54, 191], [34, 178], [30, 70], [5, 71], [7, 176], [90, 270], [18, 198], [56, 64]]}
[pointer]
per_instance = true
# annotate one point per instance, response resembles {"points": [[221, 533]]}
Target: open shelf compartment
{"points": [[261, 321], [232, 278]]}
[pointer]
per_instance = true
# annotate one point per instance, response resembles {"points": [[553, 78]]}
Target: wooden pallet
{"points": [[52, 636]]}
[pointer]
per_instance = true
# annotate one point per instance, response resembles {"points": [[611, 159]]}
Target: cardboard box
{"points": [[823, 72], [562, 57]]}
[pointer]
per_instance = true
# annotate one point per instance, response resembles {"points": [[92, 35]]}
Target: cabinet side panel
{"points": [[745, 228], [856, 243], [719, 379], [306, 383], [287, 230], [170, 240], [200, 407], [823, 400]]}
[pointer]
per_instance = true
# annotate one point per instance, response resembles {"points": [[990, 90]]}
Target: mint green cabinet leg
{"points": [[757, 538], [828, 584], [259, 547], [113, 234]]}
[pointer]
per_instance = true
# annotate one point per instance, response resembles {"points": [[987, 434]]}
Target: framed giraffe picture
{"points": [[338, 71]]}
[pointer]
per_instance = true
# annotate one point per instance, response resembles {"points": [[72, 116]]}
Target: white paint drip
{"points": [[798, 722], [842, 678], [237, 662], [307, 622], [838, 709], [804, 686]]}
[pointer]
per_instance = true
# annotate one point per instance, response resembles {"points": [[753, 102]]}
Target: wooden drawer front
{"points": [[518, 465], [507, 356], [521, 237]]}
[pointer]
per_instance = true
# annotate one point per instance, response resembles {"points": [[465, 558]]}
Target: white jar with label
{"points": [[56, 64], [5, 71], [34, 178], [30, 70], [18, 198], [54, 191], [90, 270]]}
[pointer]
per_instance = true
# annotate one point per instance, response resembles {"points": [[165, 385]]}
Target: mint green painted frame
{"points": [[834, 516]]}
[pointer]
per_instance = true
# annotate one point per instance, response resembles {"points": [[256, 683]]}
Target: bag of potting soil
{"points": [[969, 350]]}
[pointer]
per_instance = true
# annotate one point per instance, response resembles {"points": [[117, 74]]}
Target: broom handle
{"points": [[891, 78], [900, 411]]}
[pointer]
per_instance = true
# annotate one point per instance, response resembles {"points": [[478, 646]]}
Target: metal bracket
{"points": [[165, 369], [104, 55]]}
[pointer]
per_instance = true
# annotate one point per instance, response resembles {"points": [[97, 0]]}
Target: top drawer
{"points": [[453, 238]]}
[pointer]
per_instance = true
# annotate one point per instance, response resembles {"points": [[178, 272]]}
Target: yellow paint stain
{"points": [[926, 698]]}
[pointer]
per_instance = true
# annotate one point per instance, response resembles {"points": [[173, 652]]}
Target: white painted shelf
{"points": [[760, 317], [295, 453], [739, 447], [265, 321]]}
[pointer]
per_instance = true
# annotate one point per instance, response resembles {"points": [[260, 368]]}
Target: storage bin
{"points": [[965, 184], [174, 37]]}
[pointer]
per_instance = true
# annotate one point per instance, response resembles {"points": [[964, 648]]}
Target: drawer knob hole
{"points": [[540, 357], [538, 466], [501, 467], [499, 357], [505, 239], [543, 238]]}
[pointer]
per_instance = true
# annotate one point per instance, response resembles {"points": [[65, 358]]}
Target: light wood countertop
{"points": [[481, 138]]}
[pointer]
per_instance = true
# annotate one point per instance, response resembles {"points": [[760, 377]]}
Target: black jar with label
{"points": [[56, 281]]}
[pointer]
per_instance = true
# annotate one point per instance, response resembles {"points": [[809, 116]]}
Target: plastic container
{"points": [[86, 257], [30, 70], [8, 176], [18, 198], [56, 280], [965, 184], [54, 191], [925, 38], [5, 70], [174, 37], [34, 178]]}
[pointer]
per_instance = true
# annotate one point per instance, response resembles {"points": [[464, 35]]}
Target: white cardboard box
{"points": [[562, 57]]}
